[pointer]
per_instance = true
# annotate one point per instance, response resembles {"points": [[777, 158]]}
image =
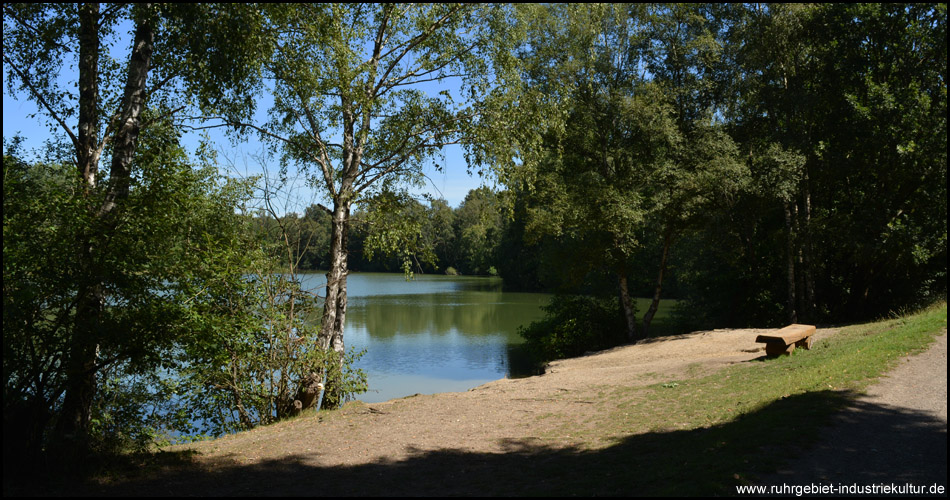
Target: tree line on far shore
{"points": [[441, 239]]}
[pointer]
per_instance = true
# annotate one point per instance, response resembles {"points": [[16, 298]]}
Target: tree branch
{"points": [[402, 80], [415, 41], [7, 11], [39, 98], [315, 133], [396, 164]]}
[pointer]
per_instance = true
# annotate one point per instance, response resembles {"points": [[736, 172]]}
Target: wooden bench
{"points": [[787, 339]]}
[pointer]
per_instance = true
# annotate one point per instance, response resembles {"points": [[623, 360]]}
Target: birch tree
{"points": [[361, 104]]}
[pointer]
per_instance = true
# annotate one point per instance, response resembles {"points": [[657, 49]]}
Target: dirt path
{"points": [[494, 417], [896, 433], [462, 443]]}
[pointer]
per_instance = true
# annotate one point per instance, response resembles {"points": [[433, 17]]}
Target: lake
{"points": [[435, 333]]}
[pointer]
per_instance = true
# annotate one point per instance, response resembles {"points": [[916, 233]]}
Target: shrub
{"points": [[573, 325]]}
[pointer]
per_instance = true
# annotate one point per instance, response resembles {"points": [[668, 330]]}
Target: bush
{"points": [[573, 325], [450, 271]]}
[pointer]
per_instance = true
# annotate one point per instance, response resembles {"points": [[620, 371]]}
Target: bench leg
{"points": [[777, 348], [805, 342]]}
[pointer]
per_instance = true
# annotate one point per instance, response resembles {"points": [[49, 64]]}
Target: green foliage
{"points": [[136, 226], [42, 216], [134, 412], [883, 135], [352, 381], [834, 104], [440, 233], [253, 342], [304, 240], [778, 148], [252, 348], [202, 324], [478, 228], [169, 230], [574, 325], [631, 155], [202, 55], [395, 225]]}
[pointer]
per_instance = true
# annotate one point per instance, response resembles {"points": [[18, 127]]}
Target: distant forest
{"points": [[464, 240]]}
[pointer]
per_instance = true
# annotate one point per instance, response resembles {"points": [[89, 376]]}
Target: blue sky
{"points": [[452, 184]]}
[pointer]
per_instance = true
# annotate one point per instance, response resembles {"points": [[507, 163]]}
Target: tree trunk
{"points": [[87, 149], [81, 361], [73, 425], [129, 124], [811, 306], [334, 307], [308, 389], [648, 316], [790, 257], [799, 263], [83, 357], [627, 306]]}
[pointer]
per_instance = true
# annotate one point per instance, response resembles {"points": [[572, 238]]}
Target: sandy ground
{"points": [[429, 433], [493, 416]]}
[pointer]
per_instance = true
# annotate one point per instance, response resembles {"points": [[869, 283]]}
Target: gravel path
{"points": [[895, 434]]}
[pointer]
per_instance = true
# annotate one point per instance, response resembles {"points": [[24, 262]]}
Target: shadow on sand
{"points": [[710, 461]]}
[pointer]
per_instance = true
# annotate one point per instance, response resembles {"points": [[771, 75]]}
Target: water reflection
{"points": [[468, 313], [378, 284], [435, 333]]}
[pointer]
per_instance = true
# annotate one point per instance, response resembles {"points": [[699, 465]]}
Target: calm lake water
{"points": [[435, 333]]}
